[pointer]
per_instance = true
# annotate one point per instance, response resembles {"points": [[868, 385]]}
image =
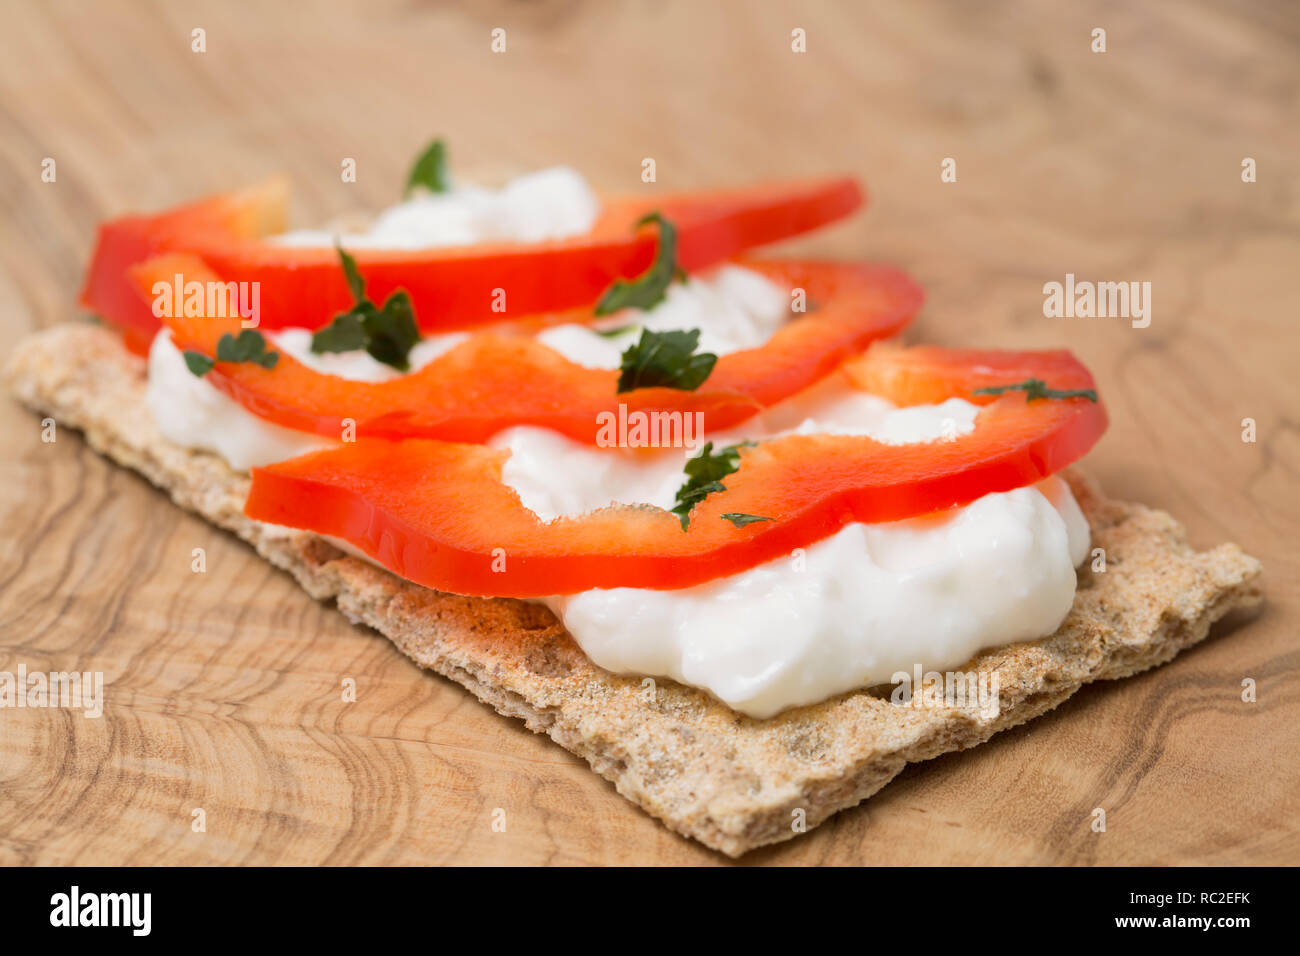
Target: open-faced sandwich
{"points": [[697, 516]]}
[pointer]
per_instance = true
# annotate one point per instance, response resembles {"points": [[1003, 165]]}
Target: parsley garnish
{"points": [[344, 334], [352, 274], [648, 289], [249, 347], [704, 474], [198, 363], [430, 170], [667, 360], [387, 332], [740, 520], [1037, 388]]}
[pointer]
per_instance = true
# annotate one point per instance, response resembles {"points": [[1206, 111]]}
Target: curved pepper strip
{"points": [[491, 381], [130, 240], [438, 513], [453, 287]]}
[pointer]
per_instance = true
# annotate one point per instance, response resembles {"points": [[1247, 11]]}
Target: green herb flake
{"points": [[704, 474], [392, 331], [1036, 388], [430, 170], [356, 284], [344, 334], [248, 347], [740, 519], [198, 363], [649, 288], [665, 360], [387, 332]]}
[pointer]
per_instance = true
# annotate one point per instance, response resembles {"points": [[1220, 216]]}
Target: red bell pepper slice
{"points": [[438, 514], [450, 288], [129, 240], [493, 381]]}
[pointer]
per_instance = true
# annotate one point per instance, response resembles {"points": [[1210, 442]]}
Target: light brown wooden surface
{"points": [[223, 689]]}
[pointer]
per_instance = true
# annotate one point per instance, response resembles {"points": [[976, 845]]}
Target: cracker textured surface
{"points": [[725, 779]]}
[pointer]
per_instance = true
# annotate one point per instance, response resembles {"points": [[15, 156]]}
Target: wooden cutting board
{"points": [[224, 689]]}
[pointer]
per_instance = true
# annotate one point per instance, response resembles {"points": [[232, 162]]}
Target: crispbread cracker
{"points": [[727, 780]]}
